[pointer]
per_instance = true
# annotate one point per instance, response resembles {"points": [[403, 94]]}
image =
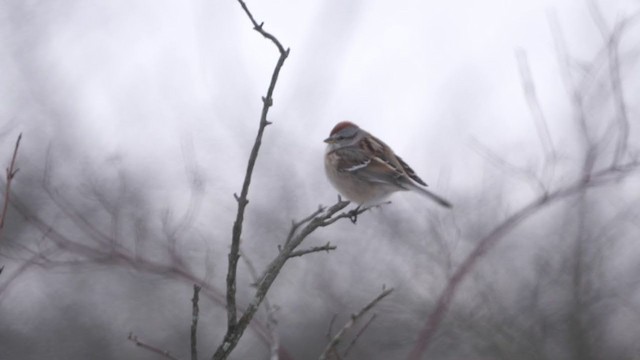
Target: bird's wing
{"points": [[371, 160]]}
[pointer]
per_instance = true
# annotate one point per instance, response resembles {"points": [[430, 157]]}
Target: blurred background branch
{"points": [[331, 348], [590, 177], [11, 172]]}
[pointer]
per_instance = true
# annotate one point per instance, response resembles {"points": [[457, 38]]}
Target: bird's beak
{"points": [[329, 140]]}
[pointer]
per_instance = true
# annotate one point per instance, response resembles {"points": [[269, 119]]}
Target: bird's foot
{"points": [[353, 214]]}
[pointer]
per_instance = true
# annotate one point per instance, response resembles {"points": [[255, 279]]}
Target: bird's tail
{"points": [[440, 200]]}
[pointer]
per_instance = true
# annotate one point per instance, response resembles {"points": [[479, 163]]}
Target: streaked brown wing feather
{"points": [[381, 166], [409, 171]]}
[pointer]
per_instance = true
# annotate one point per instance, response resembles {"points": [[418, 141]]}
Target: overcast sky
{"points": [[156, 87], [138, 78]]}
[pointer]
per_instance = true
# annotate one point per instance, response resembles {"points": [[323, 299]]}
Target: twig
{"points": [[358, 335], [354, 318], [618, 95], [597, 178], [258, 27], [242, 199], [194, 322], [499, 162], [598, 19], [166, 354], [539, 119], [327, 247], [576, 96], [11, 172], [612, 42]]}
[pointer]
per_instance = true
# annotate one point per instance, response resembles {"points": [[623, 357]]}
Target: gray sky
{"points": [[153, 91], [138, 78]]}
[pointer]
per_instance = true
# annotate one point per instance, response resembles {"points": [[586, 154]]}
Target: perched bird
{"points": [[365, 170]]}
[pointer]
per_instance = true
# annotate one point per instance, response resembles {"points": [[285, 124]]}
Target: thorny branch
{"points": [[232, 317], [331, 346], [11, 172]]}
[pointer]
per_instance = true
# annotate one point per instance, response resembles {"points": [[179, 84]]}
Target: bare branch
{"points": [[320, 218], [576, 96], [618, 94], [324, 218], [611, 39], [351, 215], [101, 253], [326, 247], [258, 27], [11, 172], [354, 318], [296, 224], [194, 322], [598, 178], [242, 199], [166, 354]]}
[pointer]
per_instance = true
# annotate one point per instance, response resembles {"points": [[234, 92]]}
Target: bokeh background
{"points": [[138, 118]]}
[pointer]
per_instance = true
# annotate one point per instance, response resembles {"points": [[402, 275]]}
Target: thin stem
{"points": [[10, 174]]}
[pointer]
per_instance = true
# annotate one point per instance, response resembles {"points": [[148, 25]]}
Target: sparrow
{"points": [[365, 170]]}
